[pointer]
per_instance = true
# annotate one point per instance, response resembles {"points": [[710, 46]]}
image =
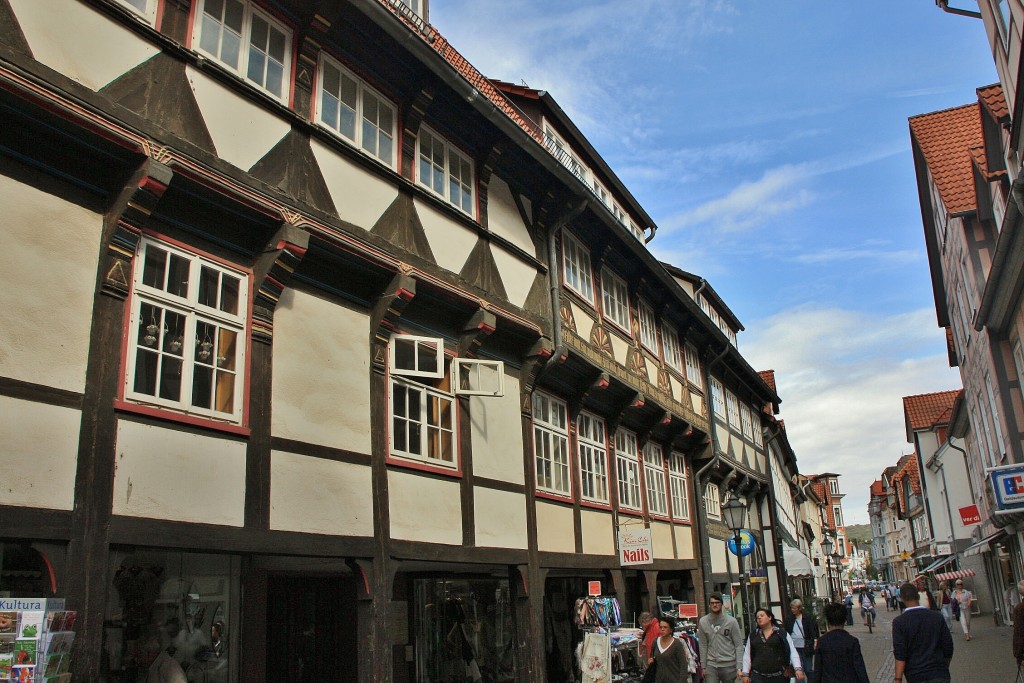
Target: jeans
{"points": [[947, 614], [720, 674], [806, 660]]}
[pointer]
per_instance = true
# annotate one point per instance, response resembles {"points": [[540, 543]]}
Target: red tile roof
{"points": [[925, 411], [768, 376], [877, 488], [992, 97], [945, 139]]}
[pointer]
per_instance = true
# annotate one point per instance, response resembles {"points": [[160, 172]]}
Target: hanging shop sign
{"points": [[593, 588], [746, 544], [758, 575], [687, 610], [970, 515], [942, 549], [635, 547], [1008, 485]]}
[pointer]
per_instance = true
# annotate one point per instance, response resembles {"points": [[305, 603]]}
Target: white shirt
{"points": [[794, 656]]}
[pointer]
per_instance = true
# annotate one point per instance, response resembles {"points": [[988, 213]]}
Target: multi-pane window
{"points": [[188, 342], [593, 455], [445, 171], [144, 8], [615, 297], [576, 267], [837, 515], [718, 397], [620, 215], [247, 41], [693, 366], [654, 478], [996, 423], [745, 422], [356, 112], [712, 501], [601, 193], [833, 486], [677, 487], [627, 467], [732, 407], [648, 327], [551, 444], [670, 344], [421, 402], [756, 426]]}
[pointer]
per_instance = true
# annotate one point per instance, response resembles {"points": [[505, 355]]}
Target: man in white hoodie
{"points": [[721, 644]]}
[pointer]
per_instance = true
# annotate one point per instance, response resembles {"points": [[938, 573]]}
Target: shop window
{"points": [[356, 112], [615, 299], [551, 444], [248, 42], [576, 268], [146, 9], [421, 402], [627, 466], [654, 478], [677, 487], [30, 569], [593, 457], [463, 630], [187, 344], [177, 612], [445, 171]]}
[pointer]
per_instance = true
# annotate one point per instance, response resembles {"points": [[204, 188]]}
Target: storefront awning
{"points": [[955, 574], [982, 545], [938, 564], [797, 563]]}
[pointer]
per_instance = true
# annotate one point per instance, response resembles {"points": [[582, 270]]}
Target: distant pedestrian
{"points": [[963, 599], [921, 644], [927, 600], [848, 601], [721, 643], [803, 629], [945, 600], [1018, 628], [838, 658]]}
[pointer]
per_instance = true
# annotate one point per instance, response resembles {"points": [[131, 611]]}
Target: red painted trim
{"points": [[631, 513], [171, 416], [150, 184], [596, 506], [546, 495], [190, 33], [158, 20], [404, 463], [660, 518]]}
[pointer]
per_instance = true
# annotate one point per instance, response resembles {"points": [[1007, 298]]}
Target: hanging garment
{"points": [[596, 659]]}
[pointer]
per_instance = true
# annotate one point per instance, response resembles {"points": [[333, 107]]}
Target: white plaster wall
{"points": [[698, 403], [555, 528], [500, 518], [37, 472], [425, 509], [503, 216], [450, 242], [79, 42], [165, 473], [242, 131], [497, 432], [598, 532], [516, 275], [661, 538], [619, 349], [321, 374], [584, 320], [48, 265], [684, 543], [359, 196], [717, 551], [320, 496]]}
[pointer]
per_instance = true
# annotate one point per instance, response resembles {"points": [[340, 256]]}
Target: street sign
{"points": [[635, 547], [970, 515], [746, 543]]}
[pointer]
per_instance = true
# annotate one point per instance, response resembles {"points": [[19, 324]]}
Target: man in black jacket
{"points": [[804, 631], [921, 643], [838, 658]]}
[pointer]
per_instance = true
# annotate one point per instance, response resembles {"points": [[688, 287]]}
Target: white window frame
{"points": [[833, 487], [358, 138], [450, 152], [620, 215], [470, 370], [732, 409], [147, 12], [746, 425], [713, 501], [418, 7], [601, 192], [592, 452], [837, 515], [417, 343], [163, 345], [561, 150], [576, 271], [996, 422], [755, 424], [692, 360], [654, 479], [551, 444], [250, 10], [670, 345], [1004, 17], [677, 487], [615, 299], [718, 397], [627, 469], [431, 427], [648, 326]]}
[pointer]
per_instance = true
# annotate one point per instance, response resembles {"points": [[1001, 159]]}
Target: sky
{"points": [[769, 142]]}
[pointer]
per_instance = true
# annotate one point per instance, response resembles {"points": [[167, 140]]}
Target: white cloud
{"points": [[842, 375], [861, 253]]}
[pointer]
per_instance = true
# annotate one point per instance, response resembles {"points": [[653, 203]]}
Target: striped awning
{"points": [[955, 574]]}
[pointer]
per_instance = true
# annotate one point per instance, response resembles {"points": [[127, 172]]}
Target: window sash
{"points": [[670, 342], [654, 478], [996, 423], [476, 377], [445, 171], [412, 356], [755, 425], [648, 327], [677, 487], [627, 466], [717, 397], [713, 501], [576, 268], [593, 458], [732, 407], [615, 298], [423, 423], [354, 111], [745, 422], [693, 366], [551, 444]]}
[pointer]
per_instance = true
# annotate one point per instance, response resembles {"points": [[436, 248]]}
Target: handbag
{"points": [[956, 609], [651, 672]]}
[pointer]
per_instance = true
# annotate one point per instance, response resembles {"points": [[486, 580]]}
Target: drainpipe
{"points": [[554, 270], [944, 6]]}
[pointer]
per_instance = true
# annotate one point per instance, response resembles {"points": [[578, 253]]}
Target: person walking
{"points": [[921, 644], [927, 600], [1018, 629], [649, 623], [804, 631], [769, 653], [963, 599], [945, 600], [721, 643], [848, 601], [837, 658], [670, 657]]}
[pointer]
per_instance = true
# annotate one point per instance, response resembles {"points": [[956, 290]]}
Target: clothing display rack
{"points": [[608, 653]]}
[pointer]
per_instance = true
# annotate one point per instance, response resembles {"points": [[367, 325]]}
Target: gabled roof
{"points": [[877, 488], [925, 411], [907, 471], [993, 99], [945, 138]]}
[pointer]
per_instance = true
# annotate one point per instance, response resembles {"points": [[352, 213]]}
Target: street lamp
{"points": [[838, 564], [826, 548], [734, 512]]}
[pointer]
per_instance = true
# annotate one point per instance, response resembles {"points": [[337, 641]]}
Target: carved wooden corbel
{"points": [[272, 273], [536, 357], [387, 312], [479, 327]]}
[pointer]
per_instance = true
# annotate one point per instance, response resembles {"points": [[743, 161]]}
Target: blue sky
{"points": [[769, 142]]}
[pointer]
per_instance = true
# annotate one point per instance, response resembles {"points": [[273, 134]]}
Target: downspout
{"points": [[554, 272], [944, 6]]}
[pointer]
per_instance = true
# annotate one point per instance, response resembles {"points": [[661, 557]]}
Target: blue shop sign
{"points": [[746, 543], [1008, 483]]}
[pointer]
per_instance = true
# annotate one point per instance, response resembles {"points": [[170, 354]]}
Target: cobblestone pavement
{"points": [[987, 657]]}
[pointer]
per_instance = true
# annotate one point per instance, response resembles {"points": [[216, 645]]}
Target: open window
{"points": [[411, 356], [473, 377]]}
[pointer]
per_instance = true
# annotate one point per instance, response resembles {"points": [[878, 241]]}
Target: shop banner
{"points": [[635, 547], [1008, 485], [970, 515]]}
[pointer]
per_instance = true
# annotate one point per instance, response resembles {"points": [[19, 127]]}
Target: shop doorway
{"points": [[311, 630]]}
